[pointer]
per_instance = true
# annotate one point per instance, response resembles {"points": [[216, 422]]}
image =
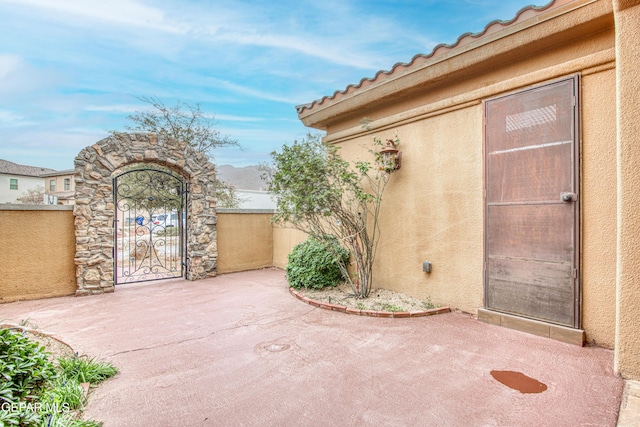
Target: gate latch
{"points": [[568, 197]]}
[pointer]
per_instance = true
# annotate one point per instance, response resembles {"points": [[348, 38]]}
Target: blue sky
{"points": [[71, 70]]}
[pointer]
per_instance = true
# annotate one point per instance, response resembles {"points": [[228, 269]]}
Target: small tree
{"points": [[33, 196], [188, 123], [318, 192], [136, 184]]}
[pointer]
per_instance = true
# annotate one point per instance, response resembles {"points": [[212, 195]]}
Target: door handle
{"points": [[568, 197]]}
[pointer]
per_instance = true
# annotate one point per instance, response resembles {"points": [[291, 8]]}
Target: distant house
{"points": [[16, 180], [60, 186]]}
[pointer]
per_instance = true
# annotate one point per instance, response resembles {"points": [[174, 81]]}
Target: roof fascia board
{"points": [[595, 63], [58, 173]]}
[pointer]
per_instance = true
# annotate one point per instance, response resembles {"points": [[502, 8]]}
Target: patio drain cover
{"points": [[276, 347], [519, 381]]}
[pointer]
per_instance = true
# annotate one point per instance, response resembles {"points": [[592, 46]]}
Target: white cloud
{"points": [[325, 49], [12, 119], [133, 108], [118, 12], [8, 116], [51, 148], [325, 30], [269, 138], [255, 93], [230, 118], [115, 108], [8, 64], [257, 143]]}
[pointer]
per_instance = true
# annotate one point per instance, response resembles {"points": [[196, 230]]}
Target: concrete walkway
{"points": [[238, 349]]}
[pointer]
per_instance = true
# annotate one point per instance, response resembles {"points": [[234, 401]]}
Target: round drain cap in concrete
{"points": [[276, 347]]}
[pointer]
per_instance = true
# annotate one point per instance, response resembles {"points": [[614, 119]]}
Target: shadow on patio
{"points": [[238, 349]]}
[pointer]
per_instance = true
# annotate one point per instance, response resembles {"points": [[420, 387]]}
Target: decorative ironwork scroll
{"points": [[150, 225]]}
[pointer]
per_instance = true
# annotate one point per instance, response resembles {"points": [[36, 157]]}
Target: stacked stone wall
{"points": [[94, 211]]}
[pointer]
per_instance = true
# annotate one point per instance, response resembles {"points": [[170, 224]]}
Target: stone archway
{"points": [[94, 209]]}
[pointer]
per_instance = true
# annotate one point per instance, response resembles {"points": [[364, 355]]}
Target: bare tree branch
{"points": [[33, 196], [188, 123]]}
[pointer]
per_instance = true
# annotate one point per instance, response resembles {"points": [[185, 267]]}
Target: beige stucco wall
{"points": [[284, 239], [598, 205], [627, 351], [245, 241], [433, 207], [432, 210], [37, 247]]}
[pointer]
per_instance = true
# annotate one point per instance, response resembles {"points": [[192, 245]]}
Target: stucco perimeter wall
{"points": [[284, 239], [245, 240], [38, 247], [433, 207]]}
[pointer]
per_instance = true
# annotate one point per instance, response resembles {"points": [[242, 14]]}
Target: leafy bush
{"points": [[86, 370], [25, 371], [314, 263], [24, 367], [34, 392], [65, 394]]}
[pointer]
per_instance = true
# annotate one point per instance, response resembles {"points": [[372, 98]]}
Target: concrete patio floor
{"points": [[238, 349]]}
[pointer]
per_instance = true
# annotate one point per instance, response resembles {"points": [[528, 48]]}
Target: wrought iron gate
{"points": [[150, 225]]}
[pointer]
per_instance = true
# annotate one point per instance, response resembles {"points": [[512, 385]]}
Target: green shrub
{"points": [[86, 370], [24, 367], [25, 371], [312, 263], [36, 393], [65, 393]]}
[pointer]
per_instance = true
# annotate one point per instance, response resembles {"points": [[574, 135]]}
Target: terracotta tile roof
{"points": [[10, 168], [466, 38]]}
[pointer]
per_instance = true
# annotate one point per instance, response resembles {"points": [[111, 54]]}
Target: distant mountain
{"points": [[243, 178]]}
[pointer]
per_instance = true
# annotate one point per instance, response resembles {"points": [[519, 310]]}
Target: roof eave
{"points": [[467, 53]]}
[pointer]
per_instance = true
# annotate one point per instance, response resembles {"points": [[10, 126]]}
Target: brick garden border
{"points": [[41, 334], [370, 313]]}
